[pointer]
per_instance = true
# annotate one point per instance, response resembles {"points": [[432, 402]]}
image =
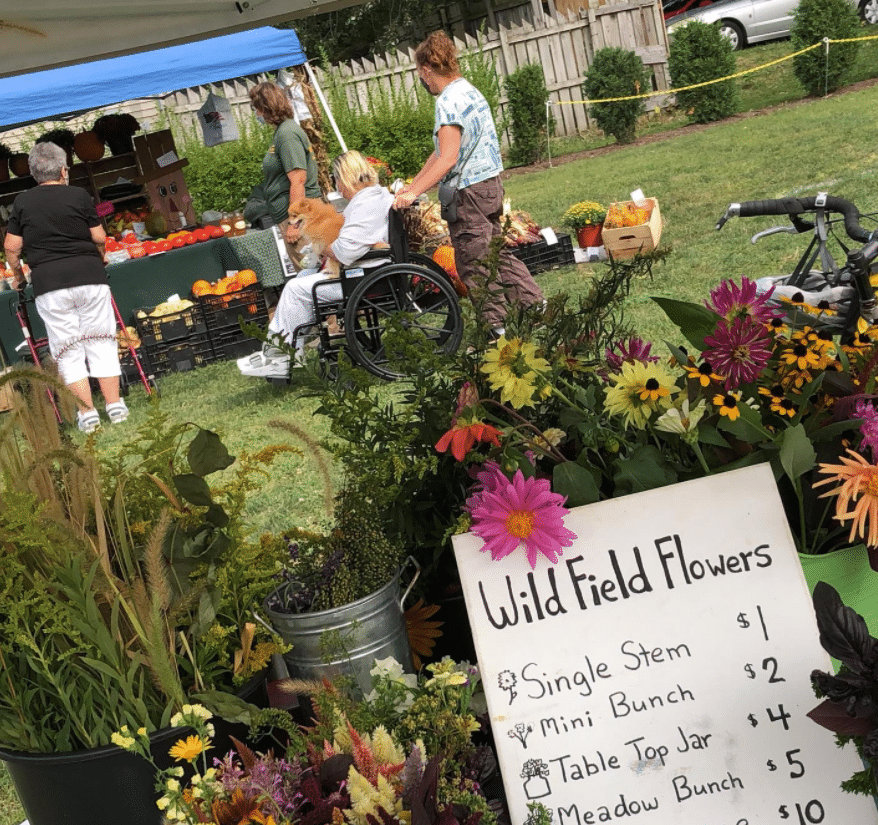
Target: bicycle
{"points": [[833, 297]]}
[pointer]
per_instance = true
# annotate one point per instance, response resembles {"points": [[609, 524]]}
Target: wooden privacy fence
{"points": [[563, 46]]}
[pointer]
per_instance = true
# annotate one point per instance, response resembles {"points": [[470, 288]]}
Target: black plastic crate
{"points": [[175, 326], [130, 374], [180, 356], [541, 255], [233, 343], [224, 311]]}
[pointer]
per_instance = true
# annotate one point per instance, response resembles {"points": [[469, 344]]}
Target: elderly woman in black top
{"points": [[57, 228]]}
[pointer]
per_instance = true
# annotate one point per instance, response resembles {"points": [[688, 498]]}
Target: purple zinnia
{"points": [[507, 514], [732, 302], [739, 352], [634, 349], [869, 428]]}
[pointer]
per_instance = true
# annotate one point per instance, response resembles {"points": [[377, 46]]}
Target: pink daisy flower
{"points": [[507, 514], [869, 428], [732, 302], [739, 352], [634, 349]]}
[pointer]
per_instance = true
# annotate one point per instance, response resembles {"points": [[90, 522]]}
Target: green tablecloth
{"points": [[142, 282], [258, 251]]}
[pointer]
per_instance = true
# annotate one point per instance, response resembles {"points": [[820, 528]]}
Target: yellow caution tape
{"points": [[709, 82]]}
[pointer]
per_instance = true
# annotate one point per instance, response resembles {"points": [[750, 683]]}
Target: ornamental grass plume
{"points": [[524, 511]]}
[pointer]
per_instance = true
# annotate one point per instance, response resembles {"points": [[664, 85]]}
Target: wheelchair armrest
{"points": [[374, 254]]}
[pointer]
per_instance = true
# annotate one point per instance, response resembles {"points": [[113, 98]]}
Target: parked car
{"points": [[752, 21], [671, 8]]}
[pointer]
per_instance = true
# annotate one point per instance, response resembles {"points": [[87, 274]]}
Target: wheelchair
{"points": [[386, 287]]}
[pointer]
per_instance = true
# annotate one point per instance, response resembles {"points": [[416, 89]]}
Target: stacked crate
{"points": [[175, 342], [542, 255], [223, 315]]}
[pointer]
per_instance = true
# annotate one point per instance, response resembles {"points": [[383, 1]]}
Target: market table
{"points": [[145, 282]]}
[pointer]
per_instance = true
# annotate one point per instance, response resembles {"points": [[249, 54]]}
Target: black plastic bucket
{"points": [[99, 786]]}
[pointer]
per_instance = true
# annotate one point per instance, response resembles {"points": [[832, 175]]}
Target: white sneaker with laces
{"points": [[261, 366]]}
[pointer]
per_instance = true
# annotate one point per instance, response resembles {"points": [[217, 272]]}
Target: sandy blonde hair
{"points": [[353, 171]]}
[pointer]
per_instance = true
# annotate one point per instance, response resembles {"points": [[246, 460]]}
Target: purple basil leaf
{"points": [[843, 632]]}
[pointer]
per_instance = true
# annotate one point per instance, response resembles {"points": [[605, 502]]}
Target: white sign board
{"points": [[659, 672]]}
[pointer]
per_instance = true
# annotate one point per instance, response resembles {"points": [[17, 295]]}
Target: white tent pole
{"points": [[319, 91]]}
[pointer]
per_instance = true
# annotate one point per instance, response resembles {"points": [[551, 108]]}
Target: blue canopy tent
{"points": [[51, 94]]}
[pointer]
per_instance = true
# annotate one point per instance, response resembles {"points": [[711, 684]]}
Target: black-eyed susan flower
{"points": [[703, 374], [727, 404], [801, 356]]}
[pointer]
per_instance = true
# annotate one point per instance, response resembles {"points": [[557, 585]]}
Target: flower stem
{"points": [[697, 449]]}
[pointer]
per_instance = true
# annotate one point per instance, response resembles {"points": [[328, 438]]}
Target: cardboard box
{"points": [[628, 241]]}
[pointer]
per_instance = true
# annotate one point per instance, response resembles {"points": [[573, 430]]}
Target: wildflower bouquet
{"points": [[751, 387], [403, 755], [584, 213]]}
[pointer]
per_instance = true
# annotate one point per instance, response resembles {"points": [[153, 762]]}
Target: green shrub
{"points": [[700, 53], [221, 177], [527, 95], [814, 20], [616, 72]]}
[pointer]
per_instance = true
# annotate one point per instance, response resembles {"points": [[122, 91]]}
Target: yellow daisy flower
{"points": [[639, 391], [512, 367], [188, 748]]}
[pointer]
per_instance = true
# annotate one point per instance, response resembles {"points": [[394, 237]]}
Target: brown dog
{"points": [[319, 224]]}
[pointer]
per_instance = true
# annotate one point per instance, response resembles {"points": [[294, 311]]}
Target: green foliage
{"points": [[700, 53], [813, 20], [613, 73], [527, 95], [367, 28], [393, 123], [111, 601], [221, 177]]}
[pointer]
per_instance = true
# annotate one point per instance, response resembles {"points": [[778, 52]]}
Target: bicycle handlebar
{"points": [[797, 206]]}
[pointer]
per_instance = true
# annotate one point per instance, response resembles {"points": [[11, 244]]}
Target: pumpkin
{"points": [[444, 256], [201, 287], [88, 146], [246, 277]]}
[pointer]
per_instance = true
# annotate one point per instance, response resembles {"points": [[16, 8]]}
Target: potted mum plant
{"points": [[586, 218], [120, 602]]}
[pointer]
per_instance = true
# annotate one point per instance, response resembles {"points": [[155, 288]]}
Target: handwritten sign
{"points": [[660, 671]]}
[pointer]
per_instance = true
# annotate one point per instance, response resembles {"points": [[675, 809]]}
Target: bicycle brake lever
{"points": [[774, 230], [733, 211]]}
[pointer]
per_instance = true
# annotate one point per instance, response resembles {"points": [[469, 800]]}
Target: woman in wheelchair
{"points": [[365, 224]]}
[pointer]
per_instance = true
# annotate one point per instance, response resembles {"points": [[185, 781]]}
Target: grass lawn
{"points": [[820, 145]]}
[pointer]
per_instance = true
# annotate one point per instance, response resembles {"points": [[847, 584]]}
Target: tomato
{"points": [[215, 232], [164, 245], [189, 238], [201, 235], [178, 242], [151, 247]]}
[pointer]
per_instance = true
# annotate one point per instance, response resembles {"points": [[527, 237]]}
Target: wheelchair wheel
{"points": [[427, 301]]}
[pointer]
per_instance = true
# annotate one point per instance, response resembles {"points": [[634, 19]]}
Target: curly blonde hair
{"points": [[439, 53], [272, 101]]}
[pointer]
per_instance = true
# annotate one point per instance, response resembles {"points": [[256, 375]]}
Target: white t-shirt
{"points": [[462, 104]]}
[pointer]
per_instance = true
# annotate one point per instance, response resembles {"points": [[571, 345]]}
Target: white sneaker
{"points": [[261, 366], [88, 421], [117, 412]]}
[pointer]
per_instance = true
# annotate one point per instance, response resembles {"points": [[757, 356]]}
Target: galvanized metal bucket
{"points": [[345, 641]]}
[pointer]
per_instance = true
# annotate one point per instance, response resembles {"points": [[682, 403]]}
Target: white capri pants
{"points": [[81, 328]]}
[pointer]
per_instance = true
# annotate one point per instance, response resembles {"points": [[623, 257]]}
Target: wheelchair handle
{"points": [[794, 207]]}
